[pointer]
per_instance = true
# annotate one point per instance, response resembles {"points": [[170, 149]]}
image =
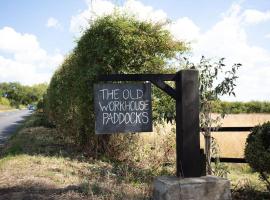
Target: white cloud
{"points": [[98, 8], [227, 38], [143, 12], [252, 16], [267, 35], [184, 29], [23, 60], [95, 8], [53, 23]]}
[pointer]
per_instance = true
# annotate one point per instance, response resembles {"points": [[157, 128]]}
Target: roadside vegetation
{"points": [[257, 151], [47, 166], [4, 104], [16, 95]]}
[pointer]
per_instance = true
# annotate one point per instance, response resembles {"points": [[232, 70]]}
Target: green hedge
{"points": [[112, 44], [257, 151], [241, 107]]}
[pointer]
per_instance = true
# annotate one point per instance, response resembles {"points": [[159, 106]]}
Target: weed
{"points": [[246, 190], [96, 189], [84, 187]]}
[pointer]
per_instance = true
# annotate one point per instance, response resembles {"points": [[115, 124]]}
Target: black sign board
{"points": [[123, 108]]}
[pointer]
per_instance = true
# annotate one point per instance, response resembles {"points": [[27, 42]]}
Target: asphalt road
{"points": [[9, 121]]}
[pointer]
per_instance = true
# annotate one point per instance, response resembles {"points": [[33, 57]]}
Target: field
{"points": [[38, 164], [232, 144]]}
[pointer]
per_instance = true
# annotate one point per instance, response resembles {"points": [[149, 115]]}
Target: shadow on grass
{"points": [[35, 140], [35, 137], [72, 192], [249, 193], [39, 191]]}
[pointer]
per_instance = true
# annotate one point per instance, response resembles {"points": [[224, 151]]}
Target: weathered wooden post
{"points": [[188, 160], [186, 95]]}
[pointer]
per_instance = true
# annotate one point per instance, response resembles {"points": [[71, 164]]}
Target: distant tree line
{"points": [[16, 94], [241, 107]]}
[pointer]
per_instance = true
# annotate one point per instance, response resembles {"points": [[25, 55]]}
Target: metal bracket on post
{"points": [[165, 87]]}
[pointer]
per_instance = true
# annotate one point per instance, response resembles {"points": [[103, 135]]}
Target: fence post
{"points": [[188, 159]]}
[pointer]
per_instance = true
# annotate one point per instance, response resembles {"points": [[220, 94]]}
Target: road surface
{"points": [[9, 121]]}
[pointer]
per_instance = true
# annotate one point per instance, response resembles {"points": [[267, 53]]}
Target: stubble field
{"points": [[232, 144]]}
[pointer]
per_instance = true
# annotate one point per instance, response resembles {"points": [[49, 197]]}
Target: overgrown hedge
{"points": [[112, 44], [241, 107]]}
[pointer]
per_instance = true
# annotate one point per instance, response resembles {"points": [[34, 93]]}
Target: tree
{"points": [[214, 82], [257, 151], [19, 94]]}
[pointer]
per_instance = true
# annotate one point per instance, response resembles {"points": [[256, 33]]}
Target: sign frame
{"points": [[122, 108]]}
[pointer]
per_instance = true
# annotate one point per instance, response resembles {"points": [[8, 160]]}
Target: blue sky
{"points": [[35, 35]]}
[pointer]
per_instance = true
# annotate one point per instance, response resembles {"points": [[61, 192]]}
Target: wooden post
{"points": [[188, 160]]}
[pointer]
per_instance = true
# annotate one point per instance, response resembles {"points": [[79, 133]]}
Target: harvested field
{"points": [[232, 144]]}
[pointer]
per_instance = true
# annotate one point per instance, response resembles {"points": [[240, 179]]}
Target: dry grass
{"points": [[241, 175], [245, 184], [4, 108], [232, 144], [59, 178], [38, 165]]}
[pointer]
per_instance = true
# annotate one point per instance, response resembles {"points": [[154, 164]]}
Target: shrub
{"points": [[18, 94], [257, 151], [112, 44], [38, 119]]}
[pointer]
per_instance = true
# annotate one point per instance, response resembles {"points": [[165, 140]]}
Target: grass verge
{"points": [[37, 164], [4, 108]]}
